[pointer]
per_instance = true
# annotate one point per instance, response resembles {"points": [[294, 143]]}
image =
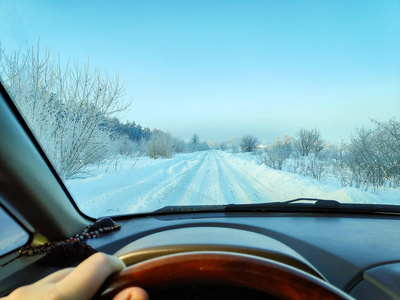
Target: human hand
{"points": [[81, 282]]}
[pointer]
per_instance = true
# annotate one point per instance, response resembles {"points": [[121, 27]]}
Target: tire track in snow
{"points": [[145, 194], [242, 187], [214, 181], [205, 178], [159, 195], [197, 187]]}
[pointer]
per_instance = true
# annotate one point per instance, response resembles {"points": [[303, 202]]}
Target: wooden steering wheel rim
{"points": [[236, 269]]}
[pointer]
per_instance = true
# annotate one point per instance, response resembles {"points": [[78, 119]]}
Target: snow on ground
{"points": [[285, 185], [202, 178]]}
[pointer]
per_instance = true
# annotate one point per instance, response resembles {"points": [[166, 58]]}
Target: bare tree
{"points": [[372, 158], [308, 141], [195, 139], [63, 107], [194, 143], [275, 155], [249, 143], [179, 145], [387, 142]]}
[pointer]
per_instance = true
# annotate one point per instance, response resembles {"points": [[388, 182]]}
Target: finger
{"points": [[86, 278], [55, 277], [133, 293]]}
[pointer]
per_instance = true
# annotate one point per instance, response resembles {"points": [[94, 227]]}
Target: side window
{"points": [[12, 235]]}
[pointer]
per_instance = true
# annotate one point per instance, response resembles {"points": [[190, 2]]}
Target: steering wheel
{"points": [[264, 276]]}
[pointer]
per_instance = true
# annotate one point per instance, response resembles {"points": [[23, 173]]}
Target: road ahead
{"points": [[214, 180], [201, 178]]}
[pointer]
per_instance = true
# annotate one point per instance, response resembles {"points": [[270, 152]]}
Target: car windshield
{"points": [[141, 105]]}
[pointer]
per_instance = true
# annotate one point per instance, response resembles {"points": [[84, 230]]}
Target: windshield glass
{"points": [[145, 104], [12, 235]]}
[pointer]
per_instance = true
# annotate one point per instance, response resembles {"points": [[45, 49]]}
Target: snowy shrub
{"points": [[372, 158], [63, 107], [308, 141], [340, 169], [124, 146], [249, 143], [235, 148], [311, 166], [142, 147], [179, 145], [160, 145], [194, 143], [195, 139], [317, 168], [275, 155]]}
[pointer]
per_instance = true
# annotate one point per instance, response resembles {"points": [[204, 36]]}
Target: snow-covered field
{"points": [[202, 178]]}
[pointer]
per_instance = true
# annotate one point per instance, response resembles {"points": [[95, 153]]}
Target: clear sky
{"points": [[228, 68]]}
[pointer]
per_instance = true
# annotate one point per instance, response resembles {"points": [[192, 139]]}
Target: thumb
{"points": [[132, 293]]}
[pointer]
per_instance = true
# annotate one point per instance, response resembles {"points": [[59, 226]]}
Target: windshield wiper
{"points": [[315, 205], [291, 204], [317, 202], [294, 205]]}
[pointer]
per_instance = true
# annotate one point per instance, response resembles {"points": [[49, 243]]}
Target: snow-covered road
{"points": [[214, 180], [201, 178]]}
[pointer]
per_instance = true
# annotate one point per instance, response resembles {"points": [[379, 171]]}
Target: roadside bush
{"points": [[308, 141], [124, 146], [275, 155], [372, 158], [249, 143], [311, 166], [179, 145], [160, 145]]}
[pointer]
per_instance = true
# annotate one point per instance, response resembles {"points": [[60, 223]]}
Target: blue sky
{"points": [[228, 68]]}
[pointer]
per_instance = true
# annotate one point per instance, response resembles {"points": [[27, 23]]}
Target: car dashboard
{"points": [[357, 253]]}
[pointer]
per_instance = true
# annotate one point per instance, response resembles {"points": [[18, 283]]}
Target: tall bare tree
{"points": [[63, 106]]}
